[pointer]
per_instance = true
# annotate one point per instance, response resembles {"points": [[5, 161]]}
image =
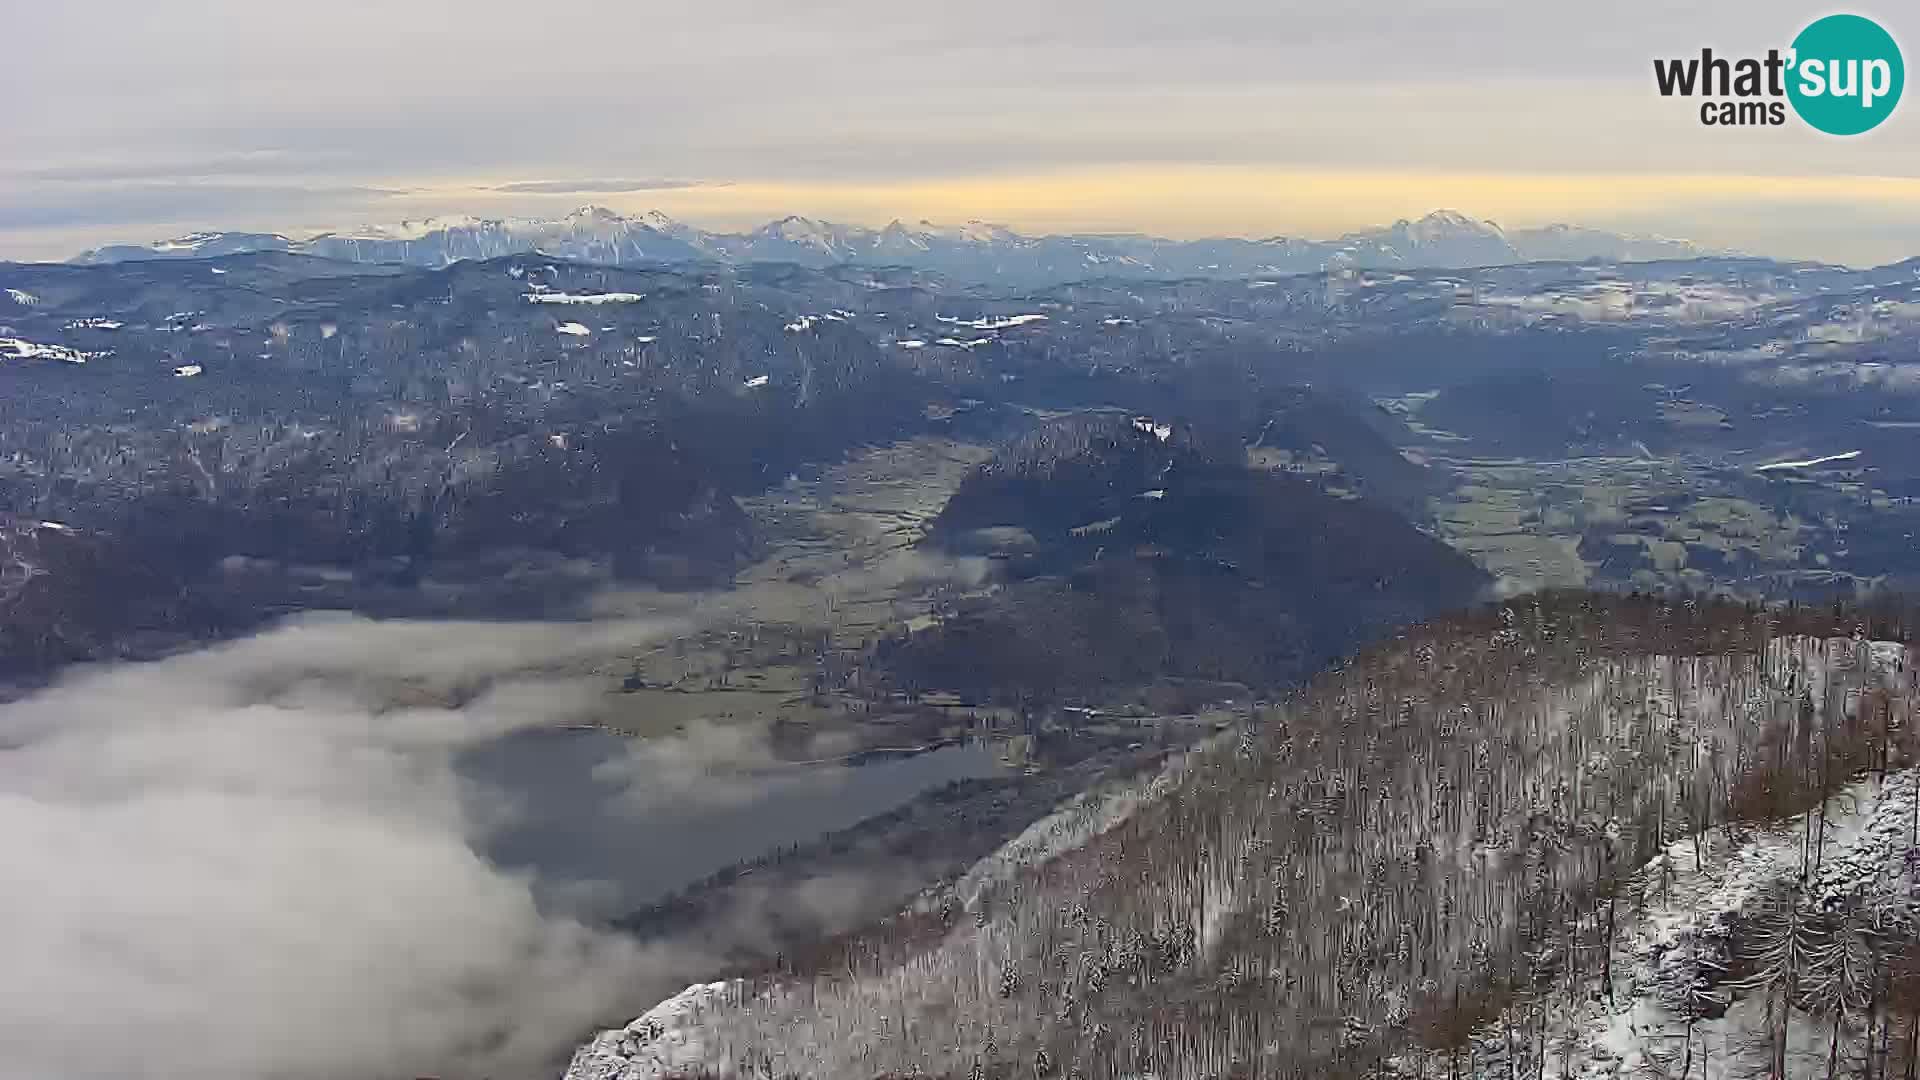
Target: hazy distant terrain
{"points": [[758, 523], [273, 431], [975, 252]]}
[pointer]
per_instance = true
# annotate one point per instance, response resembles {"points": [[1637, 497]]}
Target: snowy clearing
{"points": [[987, 322], [18, 349], [1808, 463], [584, 298], [1163, 432]]}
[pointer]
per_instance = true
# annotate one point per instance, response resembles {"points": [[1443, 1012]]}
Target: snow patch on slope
{"points": [[1691, 898], [988, 322], [658, 1041], [20, 349], [585, 298], [1683, 911], [1808, 462]]}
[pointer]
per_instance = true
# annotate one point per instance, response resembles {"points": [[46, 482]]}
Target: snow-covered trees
{"points": [[1417, 865], [1778, 943]]}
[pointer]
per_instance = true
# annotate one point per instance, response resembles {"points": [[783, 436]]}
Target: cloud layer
{"points": [[592, 187], [260, 861], [255, 861]]}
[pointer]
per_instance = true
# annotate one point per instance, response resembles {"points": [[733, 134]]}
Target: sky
{"points": [[136, 119]]}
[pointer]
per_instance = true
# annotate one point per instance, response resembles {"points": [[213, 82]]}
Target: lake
{"points": [[597, 854]]}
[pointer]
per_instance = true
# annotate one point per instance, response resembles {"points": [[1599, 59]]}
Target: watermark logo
{"points": [[1842, 75]]}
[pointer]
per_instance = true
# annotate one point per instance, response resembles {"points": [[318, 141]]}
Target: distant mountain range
{"points": [[976, 251]]}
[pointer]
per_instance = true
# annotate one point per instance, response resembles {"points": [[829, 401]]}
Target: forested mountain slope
{"points": [[1383, 876], [1142, 550]]}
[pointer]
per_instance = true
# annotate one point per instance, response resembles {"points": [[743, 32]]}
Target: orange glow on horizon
{"points": [[1209, 201]]}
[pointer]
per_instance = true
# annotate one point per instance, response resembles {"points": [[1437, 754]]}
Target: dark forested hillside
{"points": [[1142, 551]]}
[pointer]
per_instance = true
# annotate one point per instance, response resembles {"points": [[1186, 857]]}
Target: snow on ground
{"points": [[584, 298], [1163, 432], [1595, 301], [94, 324], [1808, 463], [1690, 899], [187, 371], [23, 298], [19, 349], [1861, 374], [911, 343], [690, 1030], [1682, 907], [1610, 299], [756, 381], [190, 242], [1684, 896], [420, 229], [572, 329], [657, 1041], [801, 324], [987, 322]]}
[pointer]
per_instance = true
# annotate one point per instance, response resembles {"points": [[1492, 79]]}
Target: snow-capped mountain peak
{"points": [[1454, 223], [654, 219], [596, 214], [976, 250], [412, 229], [806, 232]]}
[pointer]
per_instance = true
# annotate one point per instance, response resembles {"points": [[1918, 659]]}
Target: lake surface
{"points": [[599, 847]]}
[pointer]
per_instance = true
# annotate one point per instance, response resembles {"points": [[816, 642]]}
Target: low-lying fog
{"points": [[267, 859]]}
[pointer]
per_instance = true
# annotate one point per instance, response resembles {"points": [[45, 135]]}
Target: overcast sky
{"points": [[130, 119]]}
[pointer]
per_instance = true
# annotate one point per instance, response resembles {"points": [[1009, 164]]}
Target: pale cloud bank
{"points": [[256, 861]]}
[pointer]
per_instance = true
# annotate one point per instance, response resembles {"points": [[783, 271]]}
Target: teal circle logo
{"points": [[1845, 74]]}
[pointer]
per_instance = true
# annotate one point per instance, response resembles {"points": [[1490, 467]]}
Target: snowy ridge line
{"points": [[1081, 819], [657, 1040]]}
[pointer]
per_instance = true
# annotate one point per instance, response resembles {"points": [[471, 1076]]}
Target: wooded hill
{"points": [[1412, 867]]}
